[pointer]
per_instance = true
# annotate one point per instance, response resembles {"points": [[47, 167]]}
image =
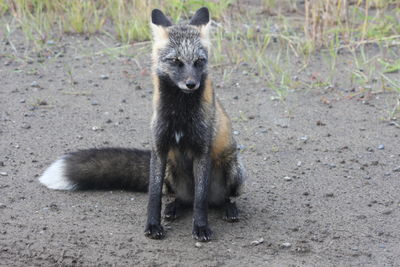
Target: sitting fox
{"points": [[193, 154]]}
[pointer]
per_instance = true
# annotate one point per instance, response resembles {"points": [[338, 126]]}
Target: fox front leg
{"points": [[153, 228], [201, 170]]}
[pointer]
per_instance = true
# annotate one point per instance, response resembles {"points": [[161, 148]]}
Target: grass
{"points": [[265, 39]]}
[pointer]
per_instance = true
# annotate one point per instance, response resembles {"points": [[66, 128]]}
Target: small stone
{"points": [[198, 245], [104, 77], [299, 163], [387, 212], [396, 169], [25, 126], [381, 147], [287, 178], [236, 97], [286, 245], [304, 138], [42, 102], [96, 128], [2, 206], [283, 123], [264, 131], [236, 132], [22, 101], [35, 84], [329, 195], [3, 173], [241, 147], [370, 149], [367, 177], [257, 242], [94, 103]]}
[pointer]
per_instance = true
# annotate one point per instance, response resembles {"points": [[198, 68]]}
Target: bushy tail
{"points": [[105, 168]]}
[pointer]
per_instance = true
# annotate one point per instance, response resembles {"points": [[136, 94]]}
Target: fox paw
{"points": [[171, 211], [231, 212], [202, 233], [154, 231]]}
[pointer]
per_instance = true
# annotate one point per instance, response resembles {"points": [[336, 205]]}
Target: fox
{"points": [[193, 156]]}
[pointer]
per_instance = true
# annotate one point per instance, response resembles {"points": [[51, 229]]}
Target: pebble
{"points": [[381, 147], [387, 212], [104, 77], [397, 169], [299, 163], [236, 132], [286, 245], [367, 177], [329, 195], [94, 103], [287, 178], [25, 126], [3, 173], [283, 123], [304, 138], [369, 149], [2, 206], [35, 84], [257, 242], [264, 131], [236, 97], [240, 147], [198, 245]]}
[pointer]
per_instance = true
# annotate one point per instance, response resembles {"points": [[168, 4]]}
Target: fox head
{"points": [[180, 52]]}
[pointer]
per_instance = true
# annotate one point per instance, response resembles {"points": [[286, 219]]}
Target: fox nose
{"points": [[190, 84]]}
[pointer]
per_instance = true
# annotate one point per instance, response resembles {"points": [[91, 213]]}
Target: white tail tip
{"points": [[54, 176]]}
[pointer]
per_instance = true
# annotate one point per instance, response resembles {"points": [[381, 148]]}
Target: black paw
{"points": [[231, 212], [202, 233], [154, 231], [171, 211]]}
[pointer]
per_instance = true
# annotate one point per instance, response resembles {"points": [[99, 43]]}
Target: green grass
{"points": [[275, 41]]}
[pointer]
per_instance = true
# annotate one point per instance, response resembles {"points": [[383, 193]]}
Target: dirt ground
{"points": [[323, 187]]}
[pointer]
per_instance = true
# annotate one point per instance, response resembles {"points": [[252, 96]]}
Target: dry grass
{"points": [[296, 30]]}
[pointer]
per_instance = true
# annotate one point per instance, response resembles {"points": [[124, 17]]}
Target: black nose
{"points": [[190, 84]]}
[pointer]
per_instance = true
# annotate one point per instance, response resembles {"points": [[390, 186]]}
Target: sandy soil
{"points": [[323, 186]]}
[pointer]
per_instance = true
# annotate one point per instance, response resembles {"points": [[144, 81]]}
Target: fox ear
{"points": [[158, 18], [158, 24], [201, 17]]}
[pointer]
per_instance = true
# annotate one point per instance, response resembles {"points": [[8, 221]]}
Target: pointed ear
{"points": [[201, 17], [159, 23], [158, 18]]}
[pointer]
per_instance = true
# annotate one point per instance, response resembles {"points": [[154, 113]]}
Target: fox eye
{"points": [[175, 61], [199, 61]]}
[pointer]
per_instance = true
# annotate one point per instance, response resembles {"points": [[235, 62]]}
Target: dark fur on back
{"points": [[109, 168]]}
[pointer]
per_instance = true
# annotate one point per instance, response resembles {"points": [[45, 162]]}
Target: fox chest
{"points": [[183, 132]]}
